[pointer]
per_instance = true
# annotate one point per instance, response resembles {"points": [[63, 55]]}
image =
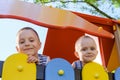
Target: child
{"points": [[85, 50], [28, 42]]}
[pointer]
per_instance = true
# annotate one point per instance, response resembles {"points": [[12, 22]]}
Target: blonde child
{"points": [[85, 50], [28, 42]]}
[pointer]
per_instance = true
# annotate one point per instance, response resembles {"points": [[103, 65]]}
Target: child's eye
{"points": [[21, 42], [92, 48], [31, 40], [84, 49]]}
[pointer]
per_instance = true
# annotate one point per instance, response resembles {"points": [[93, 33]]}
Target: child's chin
{"points": [[28, 53], [89, 61]]}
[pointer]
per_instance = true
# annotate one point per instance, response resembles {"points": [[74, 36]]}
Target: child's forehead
{"points": [[90, 43], [27, 33], [86, 41], [27, 30]]}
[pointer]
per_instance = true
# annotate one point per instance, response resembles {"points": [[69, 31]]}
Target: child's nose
{"points": [[89, 51], [27, 43]]}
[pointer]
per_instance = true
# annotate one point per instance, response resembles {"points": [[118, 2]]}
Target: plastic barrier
{"points": [[58, 67]]}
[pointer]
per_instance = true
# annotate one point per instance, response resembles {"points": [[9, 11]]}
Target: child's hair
{"points": [[29, 28], [77, 43]]}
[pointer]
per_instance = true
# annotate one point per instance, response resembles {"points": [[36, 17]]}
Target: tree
{"points": [[103, 8]]}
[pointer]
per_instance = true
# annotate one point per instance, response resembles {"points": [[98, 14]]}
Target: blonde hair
{"points": [[77, 43]]}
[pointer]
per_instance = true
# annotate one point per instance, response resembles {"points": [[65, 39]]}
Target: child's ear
{"points": [[40, 45], [16, 48], [97, 52], [76, 54]]}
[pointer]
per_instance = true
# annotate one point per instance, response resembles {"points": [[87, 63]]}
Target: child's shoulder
{"points": [[42, 55], [77, 64], [77, 61]]}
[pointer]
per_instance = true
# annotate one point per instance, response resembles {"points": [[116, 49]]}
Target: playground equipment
{"points": [[64, 27], [16, 67], [94, 71], [61, 70]]}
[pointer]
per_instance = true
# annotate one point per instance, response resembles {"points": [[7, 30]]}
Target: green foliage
{"points": [[74, 1], [42, 1], [116, 3], [91, 1]]}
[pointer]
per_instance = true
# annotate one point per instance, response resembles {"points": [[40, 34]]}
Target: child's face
{"points": [[27, 42], [87, 50]]}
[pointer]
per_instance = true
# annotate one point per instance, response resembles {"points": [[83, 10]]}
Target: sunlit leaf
{"points": [[91, 1], [116, 3], [74, 1]]}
